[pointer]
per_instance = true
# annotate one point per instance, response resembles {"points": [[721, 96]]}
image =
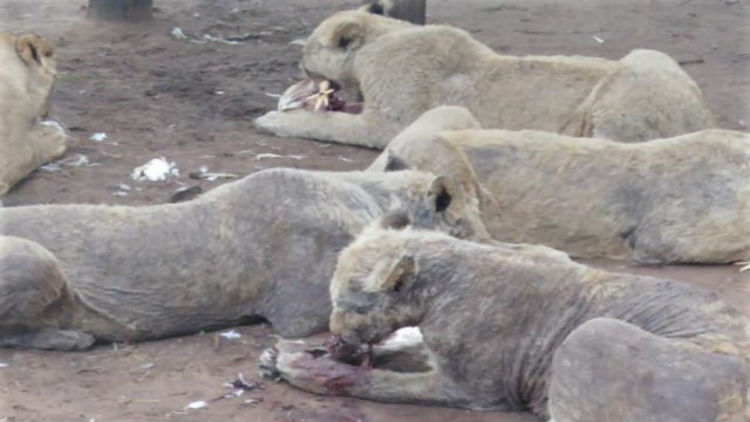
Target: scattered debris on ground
{"points": [[231, 334], [98, 137], [156, 170], [76, 160], [204, 174], [273, 155], [197, 405]]}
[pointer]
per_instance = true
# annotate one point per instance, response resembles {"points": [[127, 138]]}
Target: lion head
{"points": [[374, 289], [27, 75], [29, 67], [435, 202], [331, 49]]}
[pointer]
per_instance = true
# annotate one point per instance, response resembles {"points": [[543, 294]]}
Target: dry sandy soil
{"points": [[155, 95]]}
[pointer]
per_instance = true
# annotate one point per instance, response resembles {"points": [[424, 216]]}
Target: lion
{"points": [[684, 199], [262, 247], [403, 70], [511, 329], [27, 76]]}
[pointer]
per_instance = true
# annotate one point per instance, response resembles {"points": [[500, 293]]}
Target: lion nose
{"points": [[309, 73]]}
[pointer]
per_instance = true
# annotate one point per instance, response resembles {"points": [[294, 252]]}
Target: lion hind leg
{"points": [[44, 142], [608, 369], [651, 98], [30, 280], [33, 294], [681, 236]]}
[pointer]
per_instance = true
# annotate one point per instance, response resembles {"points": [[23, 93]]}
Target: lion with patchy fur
{"points": [[684, 199], [403, 70], [262, 247], [512, 329], [27, 75]]}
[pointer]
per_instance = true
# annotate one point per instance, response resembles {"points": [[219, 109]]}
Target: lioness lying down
{"points": [[264, 246], [403, 70], [27, 75], [507, 328], [681, 199]]}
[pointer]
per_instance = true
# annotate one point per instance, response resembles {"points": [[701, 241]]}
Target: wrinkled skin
{"points": [[402, 70], [684, 199], [262, 247], [27, 76], [526, 328]]}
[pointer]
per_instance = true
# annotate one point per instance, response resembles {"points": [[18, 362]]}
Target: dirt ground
{"points": [[155, 95]]}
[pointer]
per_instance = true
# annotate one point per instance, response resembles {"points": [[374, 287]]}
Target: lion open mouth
{"points": [[316, 94]]}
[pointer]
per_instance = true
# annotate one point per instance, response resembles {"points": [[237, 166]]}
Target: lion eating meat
{"points": [[516, 328], [402, 70], [27, 75], [261, 247]]}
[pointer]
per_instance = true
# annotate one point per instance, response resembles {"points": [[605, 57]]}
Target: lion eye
{"points": [[344, 42]]}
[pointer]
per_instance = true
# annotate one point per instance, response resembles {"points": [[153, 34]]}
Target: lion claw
{"points": [[267, 364]]}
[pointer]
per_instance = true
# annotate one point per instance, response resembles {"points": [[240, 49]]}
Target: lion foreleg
{"points": [[321, 374], [363, 129]]}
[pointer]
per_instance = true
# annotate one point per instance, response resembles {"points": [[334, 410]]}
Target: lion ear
{"points": [[33, 49], [397, 274], [348, 35], [440, 195], [376, 8]]}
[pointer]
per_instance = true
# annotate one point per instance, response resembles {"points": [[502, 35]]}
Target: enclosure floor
{"points": [[154, 95]]}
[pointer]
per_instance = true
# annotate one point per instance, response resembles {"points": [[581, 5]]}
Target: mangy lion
{"points": [[512, 329], [684, 199], [264, 246], [403, 70], [27, 75]]}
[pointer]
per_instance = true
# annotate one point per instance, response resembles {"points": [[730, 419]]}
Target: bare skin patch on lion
{"points": [[27, 76], [402, 70]]}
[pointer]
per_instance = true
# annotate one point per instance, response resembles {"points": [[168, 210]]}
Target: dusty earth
{"points": [[155, 95]]}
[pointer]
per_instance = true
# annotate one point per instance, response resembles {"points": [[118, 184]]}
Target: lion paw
{"points": [[267, 364], [272, 122]]}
